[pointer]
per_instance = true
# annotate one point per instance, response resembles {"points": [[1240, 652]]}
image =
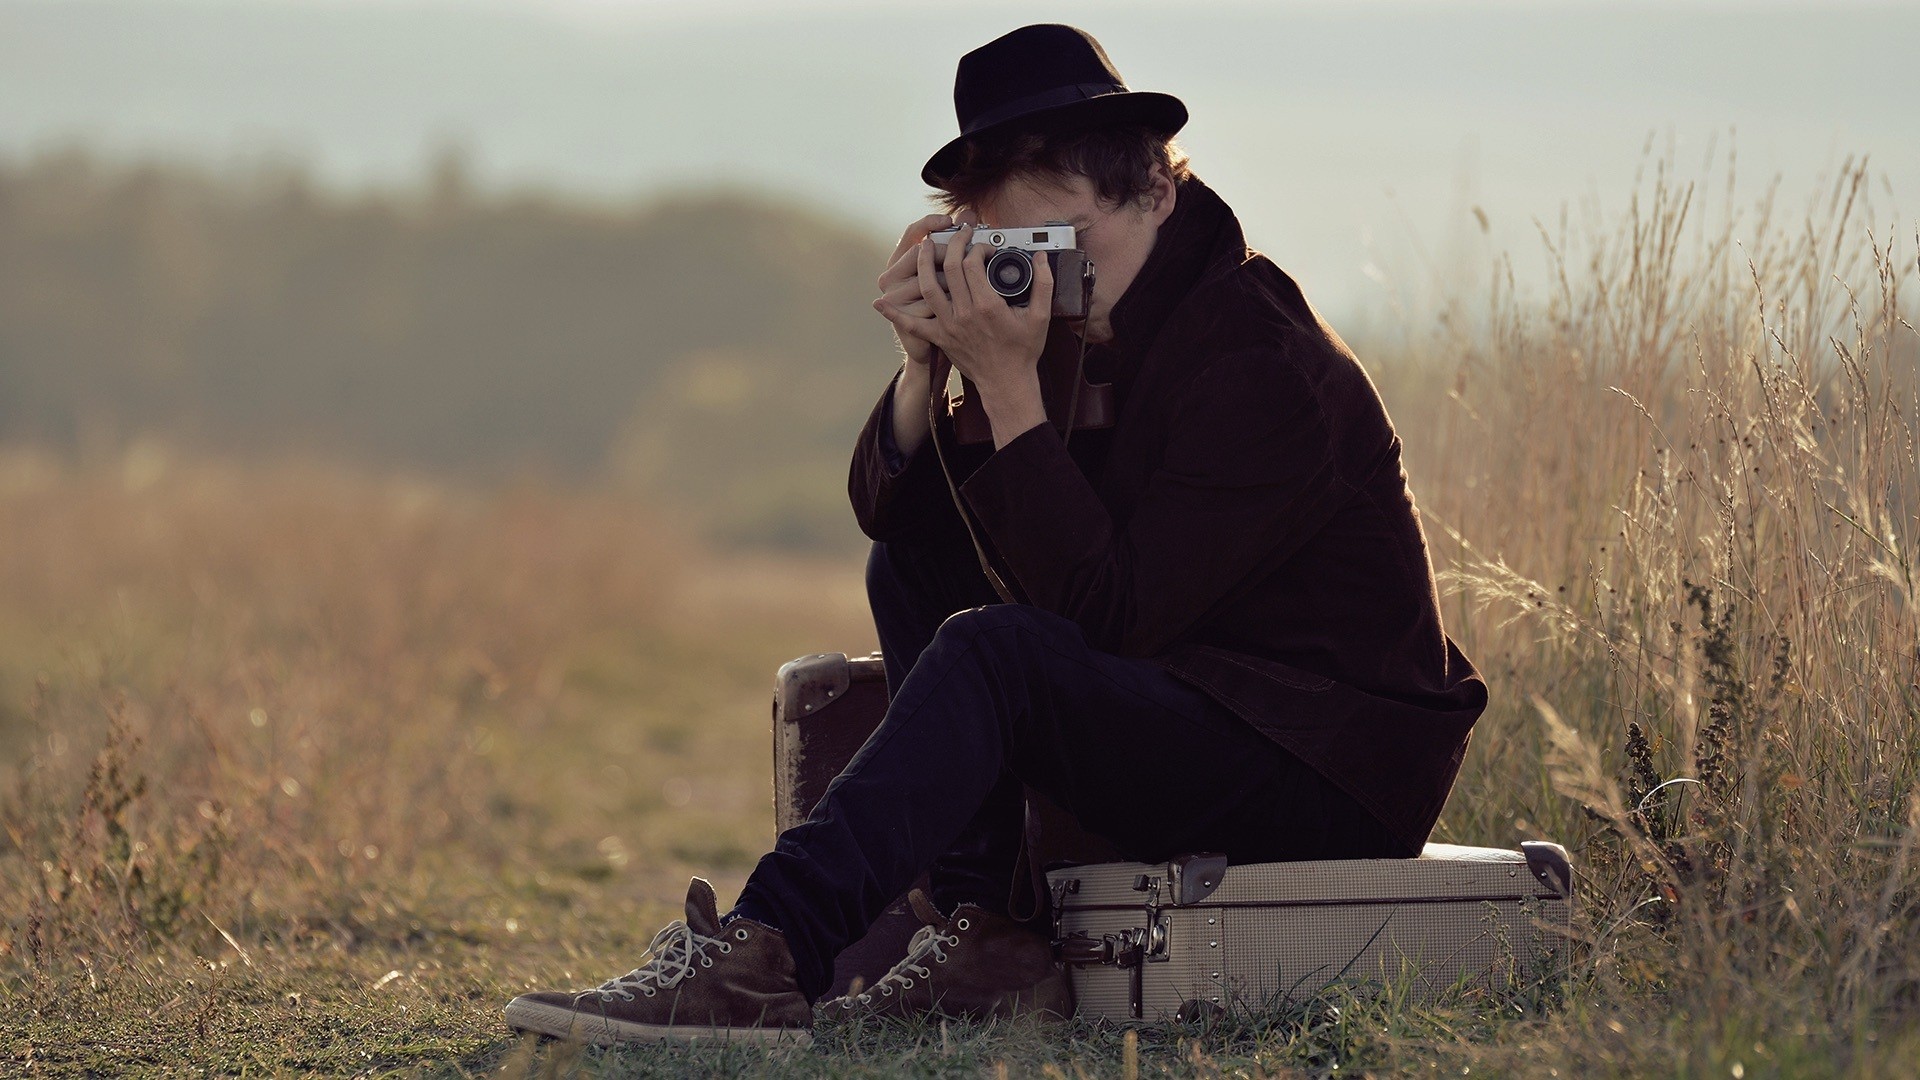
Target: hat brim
{"points": [[1162, 113]]}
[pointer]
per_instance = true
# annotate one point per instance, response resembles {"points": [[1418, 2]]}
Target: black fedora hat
{"points": [[1044, 76]]}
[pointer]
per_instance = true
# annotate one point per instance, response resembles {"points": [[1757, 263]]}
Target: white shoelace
{"points": [[675, 951], [926, 941]]}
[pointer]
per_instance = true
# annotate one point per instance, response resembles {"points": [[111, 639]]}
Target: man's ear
{"points": [[1160, 196]]}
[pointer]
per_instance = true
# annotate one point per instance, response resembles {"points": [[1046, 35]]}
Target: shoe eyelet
{"points": [[886, 991], [624, 996], [961, 924], [706, 962], [726, 947], [647, 992], [906, 984], [741, 933]]}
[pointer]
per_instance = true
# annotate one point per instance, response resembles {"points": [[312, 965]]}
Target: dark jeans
{"points": [[988, 697]]}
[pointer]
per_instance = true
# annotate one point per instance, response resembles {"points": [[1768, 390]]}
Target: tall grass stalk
{"points": [[1674, 502]]}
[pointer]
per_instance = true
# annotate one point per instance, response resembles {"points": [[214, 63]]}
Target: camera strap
{"points": [[1079, 380], [940, 369], [937, 406]]}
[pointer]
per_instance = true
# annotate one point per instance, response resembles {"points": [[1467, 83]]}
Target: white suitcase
{"points": [[1195, 936]]}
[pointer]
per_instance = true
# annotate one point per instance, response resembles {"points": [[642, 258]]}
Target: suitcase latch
{"points": [[1130, 950]]}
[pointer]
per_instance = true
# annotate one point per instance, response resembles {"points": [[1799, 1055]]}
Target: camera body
{"points": [[1010, 266]]}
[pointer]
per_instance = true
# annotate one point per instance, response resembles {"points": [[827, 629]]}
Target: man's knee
{"points": [[1003, 626]]}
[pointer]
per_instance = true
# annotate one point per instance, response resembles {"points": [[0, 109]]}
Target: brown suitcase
{"points": [[824, 707]]}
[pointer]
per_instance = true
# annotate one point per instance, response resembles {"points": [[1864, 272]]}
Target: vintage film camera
{"points": [[1010, 266], [1071, 401]]}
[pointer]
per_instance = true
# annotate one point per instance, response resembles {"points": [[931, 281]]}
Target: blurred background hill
{"points": [[708, 350], [631, 241]]}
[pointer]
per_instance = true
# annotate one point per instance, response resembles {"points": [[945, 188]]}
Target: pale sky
{"points": [[1355, 139]]}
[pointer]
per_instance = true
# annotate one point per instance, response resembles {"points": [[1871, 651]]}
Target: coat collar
{"points": [[1201, 231]]}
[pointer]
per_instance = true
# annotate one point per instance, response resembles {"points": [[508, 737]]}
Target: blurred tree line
{"points": [[715, 351]]}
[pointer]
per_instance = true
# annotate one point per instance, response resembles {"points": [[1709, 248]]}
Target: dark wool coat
{"points": [[1246, 522]]}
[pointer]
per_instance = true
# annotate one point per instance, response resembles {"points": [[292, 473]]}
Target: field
{"points": [[309, 768]]}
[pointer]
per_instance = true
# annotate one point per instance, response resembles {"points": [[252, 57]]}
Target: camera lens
{"points": [[1010, 272]]}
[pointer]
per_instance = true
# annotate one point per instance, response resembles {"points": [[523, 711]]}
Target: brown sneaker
{"points": [[703, 981], [974, 965]]}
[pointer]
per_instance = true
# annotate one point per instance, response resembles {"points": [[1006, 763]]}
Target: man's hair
{"points": [[1118, 161]]}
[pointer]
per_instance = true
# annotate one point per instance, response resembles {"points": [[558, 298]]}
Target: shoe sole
{"points": [[551, 1020], [1011, 1005]]}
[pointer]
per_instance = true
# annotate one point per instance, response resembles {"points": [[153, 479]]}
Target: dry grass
{"points": [[1675, 503], [309, 770], [289, 726]]}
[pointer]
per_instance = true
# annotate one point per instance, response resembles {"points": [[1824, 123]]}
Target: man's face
{"points": [[1117, 239]]}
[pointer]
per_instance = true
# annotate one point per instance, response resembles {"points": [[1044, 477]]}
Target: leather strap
{"points": [[940, 369]]}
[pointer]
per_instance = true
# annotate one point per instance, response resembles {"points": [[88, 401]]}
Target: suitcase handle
{"points": [[1128, 950], [1083, 951]]}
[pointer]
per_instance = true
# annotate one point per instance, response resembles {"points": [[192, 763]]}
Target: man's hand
{"points": [[991, 342], [900, 291], [900, 288]]}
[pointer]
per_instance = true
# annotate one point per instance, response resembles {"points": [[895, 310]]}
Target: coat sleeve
{"points": [[1248, 475], [897, 496]]}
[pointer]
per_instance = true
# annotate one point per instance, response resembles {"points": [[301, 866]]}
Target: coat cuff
{"points": [[1042, 515]]}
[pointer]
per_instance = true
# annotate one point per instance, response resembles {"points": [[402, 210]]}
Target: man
{"points": [[1227, 636]]}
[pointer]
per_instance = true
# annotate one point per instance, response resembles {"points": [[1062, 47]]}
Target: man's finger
{"points": [[904, 267], [974, 267], [917, 307], [919, 231], [1040, 304], [907, 288], [907, 297], [957, 283], [930, 288], [927, 329]]}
